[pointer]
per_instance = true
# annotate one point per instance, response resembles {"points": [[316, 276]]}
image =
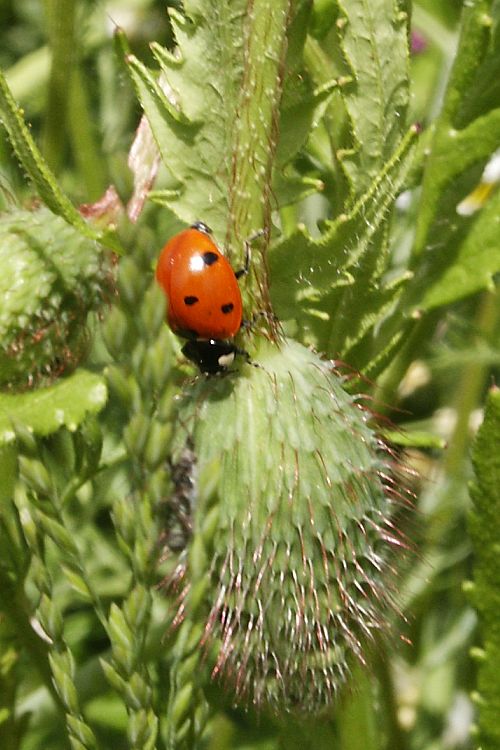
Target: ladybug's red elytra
{"points": [[204, 299]]}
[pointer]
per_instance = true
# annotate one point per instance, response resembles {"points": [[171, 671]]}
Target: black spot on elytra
{"points": [[190, 300], [209, 258], [227, 308]]}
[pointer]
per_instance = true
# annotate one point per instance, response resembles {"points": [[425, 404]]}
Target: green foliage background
{"points": [[403, 293]]}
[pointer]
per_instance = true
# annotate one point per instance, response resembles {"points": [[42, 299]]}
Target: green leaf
{"points": [[303, 101], [373, 37], [293, 188], [332, 287], [468, 268], [457, 143], [45, 410], [453, 152], [34, 164], [484, 525], [414, 439], [474, 51], [191, 107], [358, 309], [208, 109], [455, 256], [484, 89]]}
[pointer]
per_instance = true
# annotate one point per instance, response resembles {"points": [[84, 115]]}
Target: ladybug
{"points": [[204, 299]]}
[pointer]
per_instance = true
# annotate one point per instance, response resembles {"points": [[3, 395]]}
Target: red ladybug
{"points": [[204, 299]]}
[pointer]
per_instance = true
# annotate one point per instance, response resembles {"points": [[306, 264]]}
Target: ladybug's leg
{"points": [[248, 254], [242, 271], [243, 353]]}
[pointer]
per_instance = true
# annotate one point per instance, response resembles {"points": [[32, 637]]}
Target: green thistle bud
{"points": [[301, 575], [51, 278]]}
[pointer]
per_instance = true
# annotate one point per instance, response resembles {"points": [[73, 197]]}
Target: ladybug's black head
{"points": [[210, 355], [201, 227]]}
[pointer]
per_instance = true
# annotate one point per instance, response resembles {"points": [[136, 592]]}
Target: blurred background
{"points": [[61, 63]]}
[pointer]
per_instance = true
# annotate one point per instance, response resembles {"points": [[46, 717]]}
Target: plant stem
{"points": [[356, 716], [60, 16], [471, 385], [83, 141], [396, 738]]}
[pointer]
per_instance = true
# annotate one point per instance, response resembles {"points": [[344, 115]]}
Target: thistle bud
{"points": [[301, 574], [51, 278]]}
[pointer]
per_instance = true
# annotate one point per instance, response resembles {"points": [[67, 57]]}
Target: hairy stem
{"points": [[257, 131]]}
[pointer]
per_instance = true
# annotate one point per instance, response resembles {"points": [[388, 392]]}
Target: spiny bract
{"points": [[302, 571]]}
